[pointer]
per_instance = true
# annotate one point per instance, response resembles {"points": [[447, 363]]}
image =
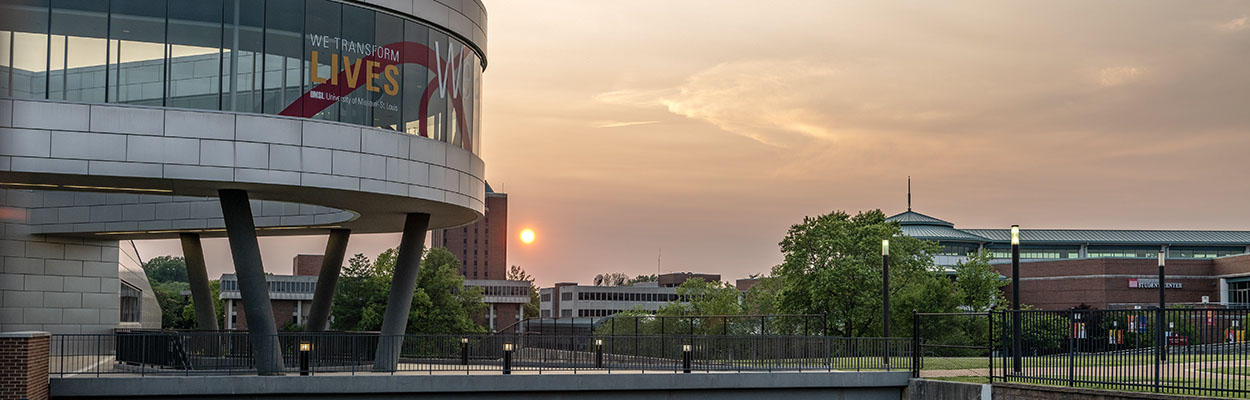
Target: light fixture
{"points": [[598, 342], [305, 346], [1161, 259], [117, 189], [507, 347], [685, 348], [885, 247], [1015, 234], [19, 184], [464, 340]]}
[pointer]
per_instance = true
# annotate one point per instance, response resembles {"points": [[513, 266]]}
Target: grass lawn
{"points": [[1243, 370]]}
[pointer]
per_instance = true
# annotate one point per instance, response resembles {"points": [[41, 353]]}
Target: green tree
{"points": [[642, 279], [166, 269], [978, 285], [516, 273], [700, 297], [764, 298], [219, 307], [169, 297], [832, 265], [440, 302]]}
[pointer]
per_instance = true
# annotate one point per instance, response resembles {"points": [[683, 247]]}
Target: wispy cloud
{"points": [[1119, 76], [622, 124], [1235, 25]]}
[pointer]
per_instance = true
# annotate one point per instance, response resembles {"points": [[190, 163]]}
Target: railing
{"points": [[1196, 352], [622, 324], [217, 353]]}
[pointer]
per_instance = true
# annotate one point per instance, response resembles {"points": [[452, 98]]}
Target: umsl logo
{"points": [[1132, 283]]}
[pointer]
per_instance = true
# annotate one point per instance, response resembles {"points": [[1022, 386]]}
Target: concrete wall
{"points": [[719, 386], [1008, 391], [53, 284], [928, 389]]}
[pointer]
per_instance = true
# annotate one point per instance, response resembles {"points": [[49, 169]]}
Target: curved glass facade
{"points": [[318, 59]]}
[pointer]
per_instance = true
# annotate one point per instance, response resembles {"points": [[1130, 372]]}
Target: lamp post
{"points": [[507, 358], [885, 302], [598, 353], [464, 351], [685, 358], [1015, 298], [304, 349], [1162, 354]]}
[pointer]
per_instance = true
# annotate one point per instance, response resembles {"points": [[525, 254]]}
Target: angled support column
{"points": [[197, 275], [252, 285], [327, 280], [403, 283]]}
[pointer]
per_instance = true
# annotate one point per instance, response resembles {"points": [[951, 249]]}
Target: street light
{"points": [[885, 302], [1015, 298], [1162, 352]]}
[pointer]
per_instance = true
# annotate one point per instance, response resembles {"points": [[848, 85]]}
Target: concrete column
{"points": [[328, 279], [403, 283], [197, 275], [252, 286]]}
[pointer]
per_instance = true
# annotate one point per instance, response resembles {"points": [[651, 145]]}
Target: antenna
{"points": [[657, 261], [909, 193]]}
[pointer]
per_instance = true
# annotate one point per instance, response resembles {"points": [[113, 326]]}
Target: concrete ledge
{"points": [[1017, 390], [23, 334], [415, 384]]}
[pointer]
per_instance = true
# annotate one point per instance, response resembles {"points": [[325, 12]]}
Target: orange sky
{"points": [[706, 128]]}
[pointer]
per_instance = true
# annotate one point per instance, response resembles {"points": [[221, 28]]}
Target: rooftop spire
{"points": [[909, 193]]}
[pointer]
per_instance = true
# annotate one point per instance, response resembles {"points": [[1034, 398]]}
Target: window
{"points": [[27, 76], [566, 313], [959, 249], [1239, 294], [194, 66], [1124, 251], [79, 50], [136, 52], [566, 296], [1038, 252], [130, 301], [546, 297], [1204, 252]]}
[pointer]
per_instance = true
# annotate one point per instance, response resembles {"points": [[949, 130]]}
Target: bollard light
{"points": [[507, 358], [304, 349], [464, 351], [685, 358], [464, 340]]}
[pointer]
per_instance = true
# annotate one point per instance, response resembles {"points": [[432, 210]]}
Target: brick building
{"points": [[290, 296], [481, 247], [1101, 268]]}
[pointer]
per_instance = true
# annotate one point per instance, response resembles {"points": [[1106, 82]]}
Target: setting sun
{"points": [[527, 236]]}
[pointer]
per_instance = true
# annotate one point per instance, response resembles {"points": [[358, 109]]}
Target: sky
{"points": [[658, 135]]}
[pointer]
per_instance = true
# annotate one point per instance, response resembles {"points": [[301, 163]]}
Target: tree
{"points": [[166, 269], [832, 265], [219, 306], [978, 285], [642, 279], [169, 297], [763, 298], [440, 302], [516, 273]]}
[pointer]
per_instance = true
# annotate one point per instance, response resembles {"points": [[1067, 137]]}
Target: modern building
{"points": [[146, 119], [481, 247], [1102, 268], [290, 296], [568, 299], [505, 301]]}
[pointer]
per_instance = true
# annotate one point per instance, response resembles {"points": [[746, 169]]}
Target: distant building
{"points": [[290, 296], [746, 284], [568, 299], [481, 247], [1102, 268]]}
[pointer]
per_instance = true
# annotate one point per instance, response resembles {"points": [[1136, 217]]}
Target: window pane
{"points": [[436, 106], [79, 50], [415, 78], [195, 55], [357, 43], [386, 99], [323, 21], [136, 52], [283, 54], [244, 39], [24, 48]]}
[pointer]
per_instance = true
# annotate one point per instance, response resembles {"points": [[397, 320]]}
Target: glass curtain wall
{"points": [[318, 59]]}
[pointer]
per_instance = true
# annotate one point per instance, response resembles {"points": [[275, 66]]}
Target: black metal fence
{"points": [[624, 324], [216, 353], [1195, 352]]}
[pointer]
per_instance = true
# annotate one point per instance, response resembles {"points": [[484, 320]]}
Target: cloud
{"points": [[1118, 76], [621, 124], [1235, 25]]}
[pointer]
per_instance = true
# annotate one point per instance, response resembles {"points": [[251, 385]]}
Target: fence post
{"points": [[915, 344]]}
